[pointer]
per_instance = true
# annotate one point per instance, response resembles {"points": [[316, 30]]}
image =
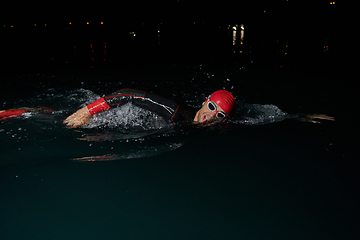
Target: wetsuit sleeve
{"points": [[164, 107]]}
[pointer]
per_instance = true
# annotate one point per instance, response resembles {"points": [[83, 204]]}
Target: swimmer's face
{"points": [[205, 115]]}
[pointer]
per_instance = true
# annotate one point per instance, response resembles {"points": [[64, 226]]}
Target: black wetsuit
{"points": [[170, 110]]}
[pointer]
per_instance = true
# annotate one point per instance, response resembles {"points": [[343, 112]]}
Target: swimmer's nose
{"points": [[212, 114]]}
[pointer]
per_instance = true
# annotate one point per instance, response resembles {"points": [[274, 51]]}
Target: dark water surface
{"points": [[256, 176]]}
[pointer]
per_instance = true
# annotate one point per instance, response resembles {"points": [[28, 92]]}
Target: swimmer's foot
{"points": [[315, 117]]}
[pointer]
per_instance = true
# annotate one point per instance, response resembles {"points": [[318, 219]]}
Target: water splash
{"points": [[258, 114], [128, 116]]}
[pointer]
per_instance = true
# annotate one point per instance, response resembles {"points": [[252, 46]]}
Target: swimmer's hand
{"points": [[79, 118], [315, 117]]}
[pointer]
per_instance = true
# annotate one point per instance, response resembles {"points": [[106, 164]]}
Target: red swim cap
{"points": [[224, 99]]}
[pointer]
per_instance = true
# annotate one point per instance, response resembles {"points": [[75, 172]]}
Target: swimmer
{"points": [[216, 107]]}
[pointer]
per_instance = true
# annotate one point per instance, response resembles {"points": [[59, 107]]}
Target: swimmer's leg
{"points": [[5, 114], [313, 118]]}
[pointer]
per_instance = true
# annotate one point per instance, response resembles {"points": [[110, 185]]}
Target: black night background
{"points": [[256, 176], [279, 35]]}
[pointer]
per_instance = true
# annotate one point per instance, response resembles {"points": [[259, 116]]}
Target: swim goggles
{"points": [[212, 107]]}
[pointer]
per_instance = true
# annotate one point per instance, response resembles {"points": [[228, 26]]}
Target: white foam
{"points": [[257, 114]]}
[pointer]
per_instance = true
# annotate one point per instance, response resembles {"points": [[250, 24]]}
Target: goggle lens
{"points": [[211, 106], [220, 115]]}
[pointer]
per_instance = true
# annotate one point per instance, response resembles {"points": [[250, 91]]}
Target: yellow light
{"points": [[87, 23], [102, 23]]}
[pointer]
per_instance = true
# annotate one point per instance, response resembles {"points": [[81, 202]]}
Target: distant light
{"points": [[332, 3], [69, 23], [87, 23], [35, 25], [264, 11], [102, 23], [11, 26], [45, 25]]}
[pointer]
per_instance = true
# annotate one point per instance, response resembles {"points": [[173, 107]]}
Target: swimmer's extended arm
{"points": [[164, 107]]}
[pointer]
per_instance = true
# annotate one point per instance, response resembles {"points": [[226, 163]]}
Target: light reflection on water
{"points": [[141, 152]]}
